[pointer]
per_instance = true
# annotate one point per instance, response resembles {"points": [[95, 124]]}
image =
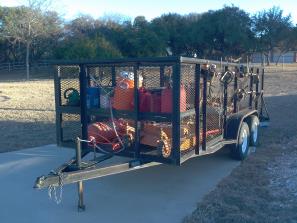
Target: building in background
{"points": [[276, 57]]}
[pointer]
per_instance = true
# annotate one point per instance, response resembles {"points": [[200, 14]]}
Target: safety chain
{"points": [[52, 190]]}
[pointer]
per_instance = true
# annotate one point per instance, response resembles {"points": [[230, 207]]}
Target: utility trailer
{"points": [[153, 111]]}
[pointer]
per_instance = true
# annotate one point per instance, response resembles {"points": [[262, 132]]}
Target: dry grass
{"points": [[27, 114]]}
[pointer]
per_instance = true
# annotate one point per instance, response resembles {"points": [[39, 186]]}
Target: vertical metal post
{"points": [[204, 109], [251, 87], [81, 206], [78, 152], [57, 81], [162, 81], [176, 113], [283, 63], [225, 104], [88, 76], [262, 89], [136, 112], [257, 89], [83, 104], [235, 89], [197, 106], [113, 76]]}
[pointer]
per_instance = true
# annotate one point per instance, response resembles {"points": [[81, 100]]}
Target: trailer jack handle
{"points": [[81, 206]]}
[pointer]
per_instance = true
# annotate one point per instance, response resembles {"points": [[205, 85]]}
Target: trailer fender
{"points": [[234, 122]]}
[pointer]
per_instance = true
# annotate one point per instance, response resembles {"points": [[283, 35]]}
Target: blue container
{"points": [[93, 96]]}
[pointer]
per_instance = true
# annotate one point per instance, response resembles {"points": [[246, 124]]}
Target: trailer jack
{"points": [[77, 171]]}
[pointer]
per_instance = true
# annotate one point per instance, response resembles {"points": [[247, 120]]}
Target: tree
{"points": [[224, 32], [272, 29], [24, 24], [140, 40], [171, 29]]}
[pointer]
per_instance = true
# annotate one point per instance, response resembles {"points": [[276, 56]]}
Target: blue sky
{"points": [[153, 8]]}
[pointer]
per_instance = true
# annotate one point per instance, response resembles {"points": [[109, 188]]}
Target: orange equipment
{"points": [[167, 98], [104, 133]]}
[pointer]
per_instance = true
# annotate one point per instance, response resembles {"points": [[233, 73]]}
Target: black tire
{"points": [[240, 150], [254, 124]]}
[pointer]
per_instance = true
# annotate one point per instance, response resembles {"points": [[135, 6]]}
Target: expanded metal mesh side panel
{"points": [[156, 137], [102, 76], [151, 76], [187, 103], [187, 134], [112, 131], [71, 127], [69, 83], [214, 108], [187, 79]]}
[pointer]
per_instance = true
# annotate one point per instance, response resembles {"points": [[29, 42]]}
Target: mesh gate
{"points": [[69, 83], [188, 123], [71, 127]]}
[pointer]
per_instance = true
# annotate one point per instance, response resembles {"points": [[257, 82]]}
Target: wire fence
{"points": [[18, 66]]}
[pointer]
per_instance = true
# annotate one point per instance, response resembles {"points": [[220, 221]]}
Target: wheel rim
{"points": [[255, 134], [244, 141]]}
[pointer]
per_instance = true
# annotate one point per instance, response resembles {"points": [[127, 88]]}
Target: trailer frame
{"points": [[231, 116]]}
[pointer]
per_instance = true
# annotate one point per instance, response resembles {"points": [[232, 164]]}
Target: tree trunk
{"points": [[278, 58], [267, 58], [27, 60]]}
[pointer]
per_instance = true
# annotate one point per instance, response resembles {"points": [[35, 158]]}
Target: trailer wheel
{"points": [[240, 150], [254, 123]]}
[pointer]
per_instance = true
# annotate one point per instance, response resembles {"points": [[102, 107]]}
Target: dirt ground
{"points": [[264, 187]]}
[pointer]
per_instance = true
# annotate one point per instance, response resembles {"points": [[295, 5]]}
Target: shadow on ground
{"points": [[17, 135]]}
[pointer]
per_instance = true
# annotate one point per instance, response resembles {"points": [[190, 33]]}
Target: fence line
{"points": [[21, 66]]}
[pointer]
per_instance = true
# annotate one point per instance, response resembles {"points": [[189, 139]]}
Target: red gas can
{"points": [[166, 100], [145, 100], [149, 100], [156, 102]]}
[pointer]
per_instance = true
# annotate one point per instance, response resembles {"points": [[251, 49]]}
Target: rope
{"points": [[111, 115]]}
